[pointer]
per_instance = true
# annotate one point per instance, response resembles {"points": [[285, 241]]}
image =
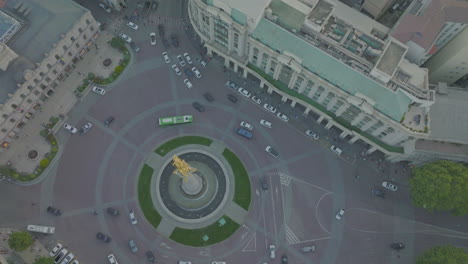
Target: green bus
{"points": [[175, 120]]}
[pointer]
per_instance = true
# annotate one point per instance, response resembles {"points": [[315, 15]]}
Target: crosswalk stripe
{"points": [[291, 237]]}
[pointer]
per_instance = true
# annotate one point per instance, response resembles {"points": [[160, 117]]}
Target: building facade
{"points": [[345, 73]]}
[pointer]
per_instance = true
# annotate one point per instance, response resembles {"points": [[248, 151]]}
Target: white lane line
{"points": [[316, 212], [254, 238], [291, 237], [273, 205]]}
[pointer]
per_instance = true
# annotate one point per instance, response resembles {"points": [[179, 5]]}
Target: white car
{"points": [[197, 73], [246, 125], [390, 186], [55, 250], [68, 258], [132, 25], [153, 38], [166, 57], [256, 100], [244, 92], [125, 37], [85, 128], [272, 151], [112, 259], [282, 117], [202, 62], [336, 149], [265, 123], [270, 108], [75, 262], [106, 8], [99, 90], [340, 214], [176, 69], [70, 128], [272, 251], [188, 83], [187, 58], [133, 219], [312, 134], [181, 60], [60, 255]]}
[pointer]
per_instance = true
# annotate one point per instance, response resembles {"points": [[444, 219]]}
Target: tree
{"points": [[443, 255], [44, 260], [118, 69], [20, 241], [441, 185], [44, 163]]}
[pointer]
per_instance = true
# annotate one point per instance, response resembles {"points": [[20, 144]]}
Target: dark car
{"points": [[134, 47], [54, 211], [208, 97], [165, 43], [397, 246], [232, 98], [198, 106], [189, 73], [108, 121], [103, 237], [264, 184], [284, 259], [113, 211], [161, 30], [150, 256], [175, 40], [378, 193]]}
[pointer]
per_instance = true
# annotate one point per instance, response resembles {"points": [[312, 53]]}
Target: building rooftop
{"points": [[442, 147], [449, 119], [247, 10], [391, 57], [391, 103], [43, 25], [8, 26], [291, 13]]}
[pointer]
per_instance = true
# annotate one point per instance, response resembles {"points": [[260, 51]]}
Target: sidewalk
{"points": [[27, 256], [58, 105]]}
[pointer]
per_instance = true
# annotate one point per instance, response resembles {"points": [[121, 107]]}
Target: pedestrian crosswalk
{"points": [[284, 179], [169, 22], [291, 238]]}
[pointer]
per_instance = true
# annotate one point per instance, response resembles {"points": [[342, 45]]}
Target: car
{"points": [[378, 193], [264, 184], [272, 251], [272, 151], [189, 73], [166, 57], [256, 100], [244, 92], [198, 106], [70, 128], [208, 97], [112, 259], [103, 237], [108, 121], [134, 47], [133, 219], [246, 125], [311, 134], [75, 262], [284, 259], [188, 83], [85, 128], [184, 262], [55, 250], [181, 60], [132, 25], [265, 123], [125, 37], [308, 249], [232, 85], [165, 43], [132, 245], [106, 8], [283, 117], [232, 98], [99, 90], [187, 58], [269, 108], [336, 149], [68, 258], [202, 62], [60, 255], [175, 40], [161, 30], [197, 72], [245, 133], [397, 246], [54, 211], [176, 69], [112, 211], [218, 262], [390, 186], [153, 38], [150, 256], [340, 214]]}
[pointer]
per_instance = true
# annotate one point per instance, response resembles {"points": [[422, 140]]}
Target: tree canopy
{"points": [[20, 241], [44, 260], [443, 255], [441, 185]]}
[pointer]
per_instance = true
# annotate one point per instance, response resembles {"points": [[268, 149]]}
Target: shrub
{"points": [[20, 241], [91, 76], [44, 163], [118, 69]]}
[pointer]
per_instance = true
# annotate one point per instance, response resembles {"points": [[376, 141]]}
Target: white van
{"points": [[336, 149]]}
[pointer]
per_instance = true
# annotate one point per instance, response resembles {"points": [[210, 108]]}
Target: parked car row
{"points": [[185, 60], [62, 255]]}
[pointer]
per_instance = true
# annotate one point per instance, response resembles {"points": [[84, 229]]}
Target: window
{"points": [[23, 96], [92, 28], [80, 30], [43, 87], [77, 45], [49, 66], [285, 74], [327, 100], [4, 130], [272, 67], [298, 83], [36, 92], [29, 101], [47, 79], [88, 22], [70, 54], [12, 120], [264, 61], [255, 56], [337, 106], [64, 48], [41, 74], [84, 37], [54, 71], [36, 81], [30, 87], [72, 38], [236, 40], [309, 86], [5, 116], [57, 57], [318, 93]]}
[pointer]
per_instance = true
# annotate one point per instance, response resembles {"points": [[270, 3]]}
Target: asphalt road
{"points": [[308, 184]]}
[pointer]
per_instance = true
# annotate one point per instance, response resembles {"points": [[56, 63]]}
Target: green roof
{"points": [[238, 16], [288, 16], [392, 104]]}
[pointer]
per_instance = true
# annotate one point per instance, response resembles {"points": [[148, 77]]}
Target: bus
{"points": [[175, 120]]}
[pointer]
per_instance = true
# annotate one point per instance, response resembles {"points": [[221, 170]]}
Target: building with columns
{"points": [[329, 59]]}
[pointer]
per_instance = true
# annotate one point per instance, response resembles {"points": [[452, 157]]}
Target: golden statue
{"points": [[183, 169]]}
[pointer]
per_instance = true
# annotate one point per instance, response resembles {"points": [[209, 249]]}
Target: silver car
{"points": [[133, 246]]}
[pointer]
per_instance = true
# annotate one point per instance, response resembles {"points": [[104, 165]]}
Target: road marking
{"points": [[273, 205], [316, 211], [285, 179], [291, 238], [253, 239]]}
